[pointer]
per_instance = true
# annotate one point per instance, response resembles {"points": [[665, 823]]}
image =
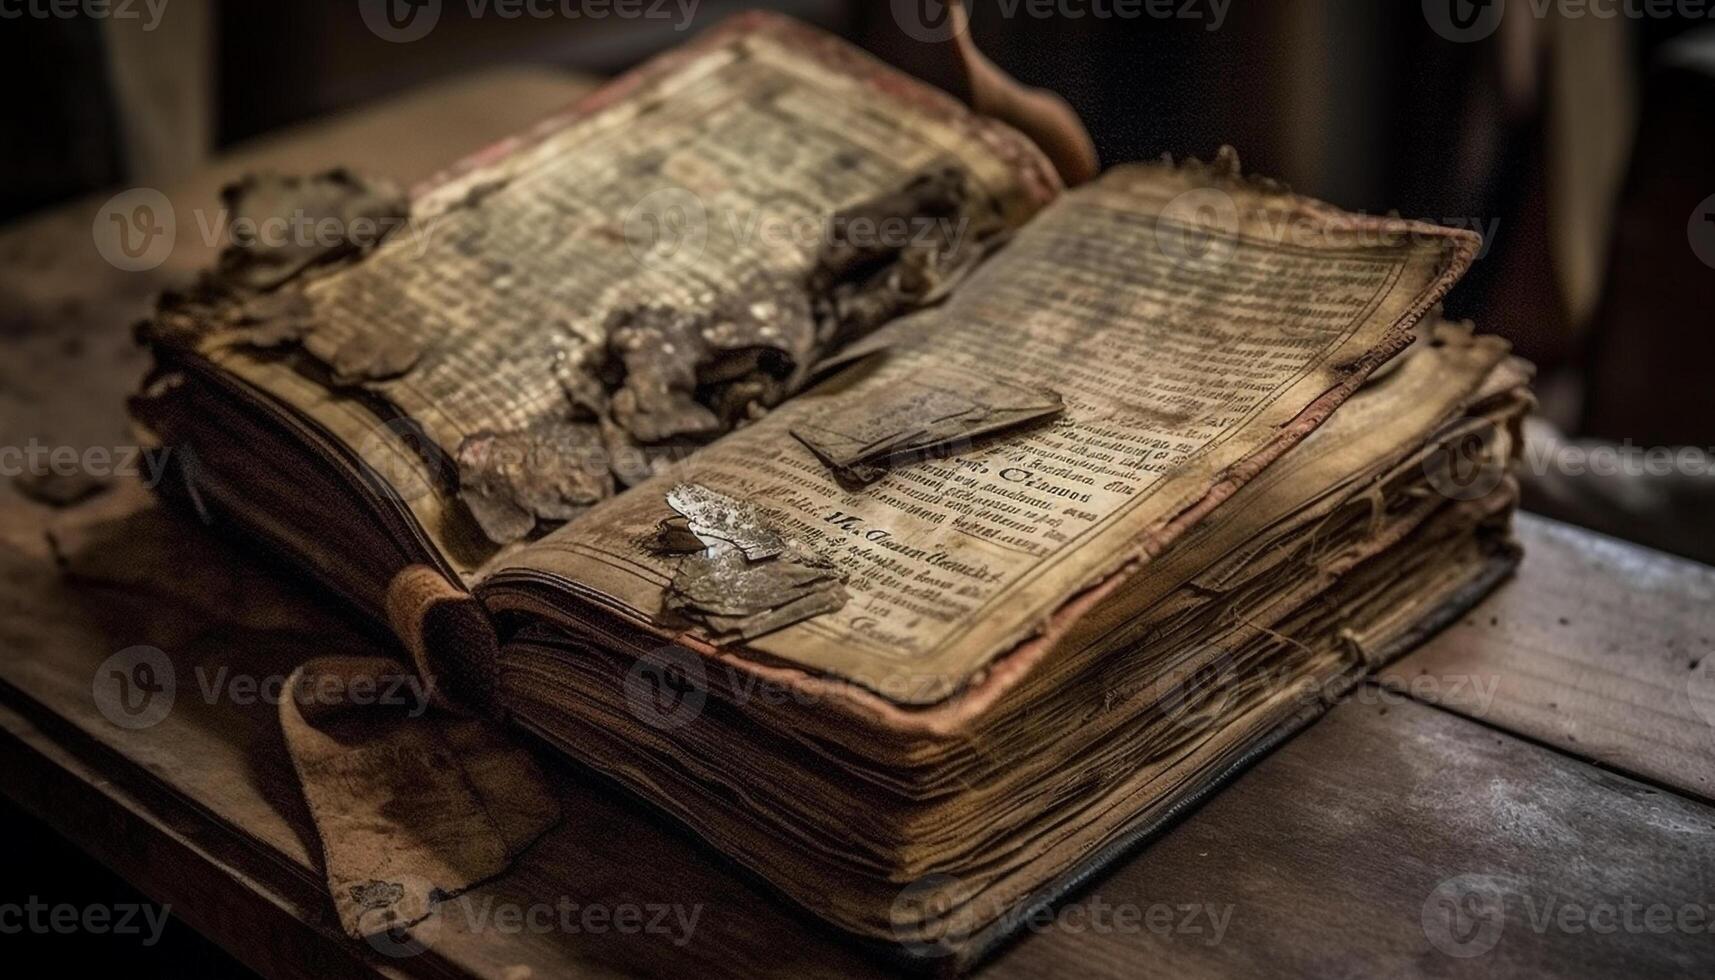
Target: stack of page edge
{"points": [[939, 830]]}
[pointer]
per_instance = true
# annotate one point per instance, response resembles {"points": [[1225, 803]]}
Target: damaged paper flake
{"points": [[737, 599], [861, 281], [513, 481], [745, 579], [274, 319], [935, 413], [659, 349], [368, 357], [581, 386], [362, 212], [282, 230], [714, 516], [761, 346], [699, 374], [633, 462]]}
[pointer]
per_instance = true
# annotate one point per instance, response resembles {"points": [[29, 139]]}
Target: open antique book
{"points": [[918, 573]]}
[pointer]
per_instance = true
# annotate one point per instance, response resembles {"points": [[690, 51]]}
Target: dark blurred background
{"points": [[1578, 137]]}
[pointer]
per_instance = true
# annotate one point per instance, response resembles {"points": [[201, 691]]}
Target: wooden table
{"points": [[1547, 765]]}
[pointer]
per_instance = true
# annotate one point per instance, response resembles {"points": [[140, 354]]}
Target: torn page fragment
{"points": [[746, 580], [274, 319], [360, 212], [736, 599], [412, 804], [283, 231], [928, 235], [715, 517], [371, 357], [514, 481], [932, 413], [658, 350]]}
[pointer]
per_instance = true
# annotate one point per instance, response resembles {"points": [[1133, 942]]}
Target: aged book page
{"points": [[1195, 326], [714, 168]]}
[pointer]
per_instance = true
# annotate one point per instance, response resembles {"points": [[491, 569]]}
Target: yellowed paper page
{"points": [[725, 168]]}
